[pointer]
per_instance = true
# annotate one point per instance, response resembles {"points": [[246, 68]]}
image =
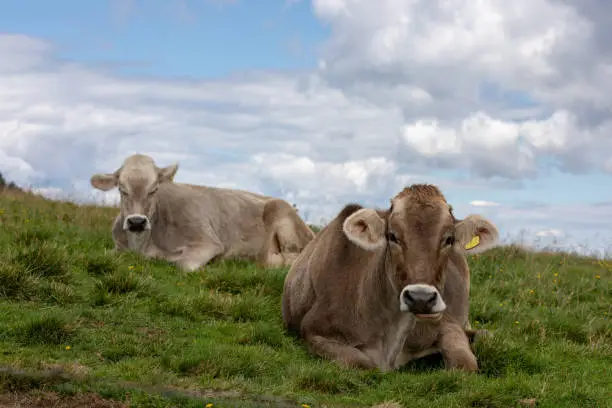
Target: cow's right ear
{"points": [[365, 229], [104, 182]]}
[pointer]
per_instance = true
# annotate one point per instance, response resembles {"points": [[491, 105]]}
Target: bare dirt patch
{"points": [[53, 400]]}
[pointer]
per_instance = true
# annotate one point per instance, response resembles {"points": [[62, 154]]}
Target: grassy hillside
{"points": [[80, 326]]}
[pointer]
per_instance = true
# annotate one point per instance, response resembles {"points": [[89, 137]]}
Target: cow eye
{"points": [[392, 238], [152, 191], [122, 192], [450, 241]]}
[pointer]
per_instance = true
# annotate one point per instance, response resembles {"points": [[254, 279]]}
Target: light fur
{"points": [[286, 234], [189, 225]]}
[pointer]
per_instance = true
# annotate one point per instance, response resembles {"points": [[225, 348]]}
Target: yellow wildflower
{"points": [[68, 347], [209, 405]]}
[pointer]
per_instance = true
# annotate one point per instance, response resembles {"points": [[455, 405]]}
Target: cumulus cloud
{"points": [[506, 83], [490, 90], [273, 133]]}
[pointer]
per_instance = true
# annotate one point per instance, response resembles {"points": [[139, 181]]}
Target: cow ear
{"points": [[475, 234], [104, 182], [366, 229], [166, 174]]}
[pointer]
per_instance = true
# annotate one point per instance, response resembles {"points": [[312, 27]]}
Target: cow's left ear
{"points": [[166, 174], [475, 234]]}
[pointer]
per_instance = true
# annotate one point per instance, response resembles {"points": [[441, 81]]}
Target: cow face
{"points": [[138, 180], [418, 234]]}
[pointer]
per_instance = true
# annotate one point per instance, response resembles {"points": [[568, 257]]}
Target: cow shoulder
{"points": [[334, 260], [335, 268]]}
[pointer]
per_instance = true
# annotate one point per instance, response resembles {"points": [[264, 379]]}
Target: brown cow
{"points": [[378, 288], [286, 234], [183, 223]]}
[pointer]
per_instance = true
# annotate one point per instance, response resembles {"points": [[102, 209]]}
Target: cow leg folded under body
{"points": [[343, 354], [455, 347], [194, 257]]}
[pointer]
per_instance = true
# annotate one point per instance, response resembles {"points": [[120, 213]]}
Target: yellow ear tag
{"points": [[474, 242]]}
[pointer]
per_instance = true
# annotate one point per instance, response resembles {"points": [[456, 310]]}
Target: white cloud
{"points": [[483, 203], [476, 61], [551, 232]]}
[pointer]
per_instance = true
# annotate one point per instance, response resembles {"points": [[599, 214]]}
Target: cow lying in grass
{"points": [[188, 224], [378, 288]]}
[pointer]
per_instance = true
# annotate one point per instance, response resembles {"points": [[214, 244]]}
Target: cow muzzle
{"points": [[424, 301], [136, 223]]}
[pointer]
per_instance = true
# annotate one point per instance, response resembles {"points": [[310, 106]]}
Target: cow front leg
{"points": [[455, 348], [342, 354], [119, 236], [194, 257]]}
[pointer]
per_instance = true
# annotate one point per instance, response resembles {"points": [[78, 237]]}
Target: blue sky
{"points": [[317, 101], [174, 38]]}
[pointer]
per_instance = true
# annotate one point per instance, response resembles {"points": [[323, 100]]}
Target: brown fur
{"points": [[189, 224], [286, 234], [421, 193], [342, 293]]}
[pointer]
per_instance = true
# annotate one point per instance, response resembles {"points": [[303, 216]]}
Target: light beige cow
{"points": [[378, 288], [286, 234], [186, 224]]}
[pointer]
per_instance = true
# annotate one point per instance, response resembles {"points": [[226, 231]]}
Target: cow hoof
{"points": [[476, 335], [481, 334]]}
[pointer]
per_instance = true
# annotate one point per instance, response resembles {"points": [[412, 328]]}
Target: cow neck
{"points": [[162, 217]]}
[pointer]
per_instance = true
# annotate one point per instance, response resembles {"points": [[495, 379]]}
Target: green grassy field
{"points": [[80, 326]]}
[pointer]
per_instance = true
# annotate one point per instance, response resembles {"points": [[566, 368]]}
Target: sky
{"points": [[506, 106]]}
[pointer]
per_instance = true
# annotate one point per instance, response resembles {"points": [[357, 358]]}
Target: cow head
{"points": [[138, 180], [417, 234]]}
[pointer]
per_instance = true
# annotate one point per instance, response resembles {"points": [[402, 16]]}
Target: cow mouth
{"points": [[428, 316]]}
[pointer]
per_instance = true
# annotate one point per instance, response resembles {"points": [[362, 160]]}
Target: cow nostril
{"points": [[407, 298], [432, 298], [136, 223]]}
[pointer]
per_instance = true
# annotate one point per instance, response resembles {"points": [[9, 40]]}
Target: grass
{"points": [[79, 324]]}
